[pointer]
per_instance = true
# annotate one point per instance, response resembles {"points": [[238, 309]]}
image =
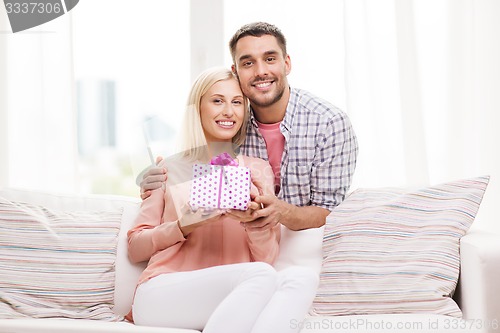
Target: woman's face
{"points": [[222, 110]]}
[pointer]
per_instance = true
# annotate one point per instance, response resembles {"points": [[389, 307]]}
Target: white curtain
{"points": [[38, 147], [423, 91]]}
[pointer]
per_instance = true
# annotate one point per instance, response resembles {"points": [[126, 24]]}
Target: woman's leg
{"points": [[220, 299], [290, 303]]}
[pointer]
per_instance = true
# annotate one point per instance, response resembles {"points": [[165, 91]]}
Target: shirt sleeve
{"points": [[264, 245], [151, 233], [334, 164]]}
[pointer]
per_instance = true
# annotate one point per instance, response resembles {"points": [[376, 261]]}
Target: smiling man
{"points": [[309, 143]]}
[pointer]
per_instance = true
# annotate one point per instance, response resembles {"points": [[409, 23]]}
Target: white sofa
{"points": [[477, 294]]}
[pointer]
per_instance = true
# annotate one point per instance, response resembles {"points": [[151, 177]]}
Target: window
{"points": [[132, 62]]}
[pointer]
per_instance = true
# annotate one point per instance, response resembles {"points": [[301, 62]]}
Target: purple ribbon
{"points": [[224, 159]]}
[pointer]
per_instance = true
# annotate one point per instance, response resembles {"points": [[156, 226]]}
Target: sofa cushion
{"points": [[300, 248], [127, 273], [396, 250], [55, 263]]}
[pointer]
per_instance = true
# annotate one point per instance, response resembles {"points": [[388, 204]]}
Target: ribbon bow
{"points": [[224, 159]]}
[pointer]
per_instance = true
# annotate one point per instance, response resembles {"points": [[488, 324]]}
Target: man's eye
{"points": [[247, 63], [271, 59]]}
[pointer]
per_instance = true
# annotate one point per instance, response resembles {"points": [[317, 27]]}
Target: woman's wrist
{"points": [[180, 228]]}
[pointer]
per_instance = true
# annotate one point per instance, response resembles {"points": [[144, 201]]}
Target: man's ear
{"points": [[288, 64], [233, 68]]}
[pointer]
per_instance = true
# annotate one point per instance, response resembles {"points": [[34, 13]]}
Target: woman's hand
{"points": [[191, 220]]}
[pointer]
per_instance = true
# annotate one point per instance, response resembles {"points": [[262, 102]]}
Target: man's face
{"points": [[262, 69]]}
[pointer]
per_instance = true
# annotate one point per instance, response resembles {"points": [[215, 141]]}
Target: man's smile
{"points": [[263, 85]]}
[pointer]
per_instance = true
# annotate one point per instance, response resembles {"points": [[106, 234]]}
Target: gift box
{"points": [[225, 186]]}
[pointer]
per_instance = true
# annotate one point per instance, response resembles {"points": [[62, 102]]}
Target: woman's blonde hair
{"points": [[193, 141]]}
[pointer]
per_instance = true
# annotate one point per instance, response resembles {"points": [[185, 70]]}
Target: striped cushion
{"points": [[391, 250], [57, 264]]}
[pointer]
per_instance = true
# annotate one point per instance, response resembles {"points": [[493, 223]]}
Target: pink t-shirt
{"points": [[275, 143]]}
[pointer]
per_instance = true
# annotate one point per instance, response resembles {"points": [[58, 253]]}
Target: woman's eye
{"points": [[217, 101], [237, 102]]}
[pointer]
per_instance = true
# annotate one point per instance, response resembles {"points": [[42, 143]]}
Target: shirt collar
{"points": [[293, 101]]}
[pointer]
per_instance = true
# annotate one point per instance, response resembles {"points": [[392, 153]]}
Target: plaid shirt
{"points": [[320, 152]]}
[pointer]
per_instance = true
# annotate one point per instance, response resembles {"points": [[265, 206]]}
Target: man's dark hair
{"points": [[257, 29]]}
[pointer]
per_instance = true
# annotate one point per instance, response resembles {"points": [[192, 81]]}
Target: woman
{"points": [[205, 270]]}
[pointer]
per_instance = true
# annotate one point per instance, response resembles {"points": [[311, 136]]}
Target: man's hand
{"points": [[154, 178], [264, 213], [276, 211]]}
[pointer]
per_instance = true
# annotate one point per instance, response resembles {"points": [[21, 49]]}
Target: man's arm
{"points": [[267, 211], [291, 216], [329, 182]]}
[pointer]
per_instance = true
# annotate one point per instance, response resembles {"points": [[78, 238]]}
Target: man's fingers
{"points": [[253, 205], [145, 195], [258, 184], [266, 200], [261, 224], [159, 159], [153, 182], [154, 171], [264, 203]]}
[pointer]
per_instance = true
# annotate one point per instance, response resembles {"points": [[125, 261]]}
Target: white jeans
{"points": [[246, 297]]}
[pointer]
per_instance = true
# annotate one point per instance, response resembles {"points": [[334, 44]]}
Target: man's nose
{"points": [[261, 69]]}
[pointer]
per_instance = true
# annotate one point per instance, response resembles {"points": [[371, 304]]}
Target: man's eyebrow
{"points": [[271, 52], [244, 57], [248, 56]]}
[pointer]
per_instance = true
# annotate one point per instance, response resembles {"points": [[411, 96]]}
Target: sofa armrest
{"points": [[479, 275]]}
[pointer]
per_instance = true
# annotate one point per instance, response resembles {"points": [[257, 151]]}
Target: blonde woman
{"points": [[206, 271]]}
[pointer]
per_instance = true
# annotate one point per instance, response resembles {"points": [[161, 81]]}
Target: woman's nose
{"points": [[228, 110]]}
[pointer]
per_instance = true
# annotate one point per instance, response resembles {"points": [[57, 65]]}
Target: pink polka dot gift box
{"points": [[221, 184]]}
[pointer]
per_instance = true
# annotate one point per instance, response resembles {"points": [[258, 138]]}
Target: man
{"points": [[309, 143]]}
